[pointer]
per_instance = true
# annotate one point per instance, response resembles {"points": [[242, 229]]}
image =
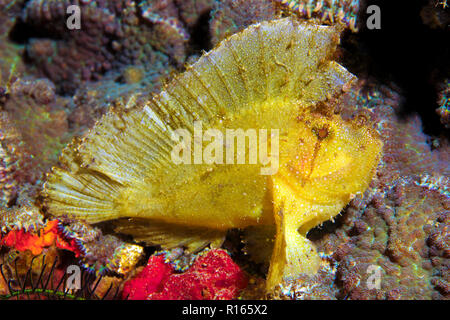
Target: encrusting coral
{"points": [[444, 103], [113, 35], [15, 161], [11, 64], [273, 75], [93, 98], [343, 12], [231, 16], [436, 14], [37, 115], [100, 253], [24, 228], [401, 235]]}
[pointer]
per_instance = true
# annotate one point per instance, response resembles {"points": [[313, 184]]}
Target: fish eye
{"points": [[322, 132]]}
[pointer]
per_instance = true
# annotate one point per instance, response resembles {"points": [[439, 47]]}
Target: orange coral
{"points": [[22, 240]]}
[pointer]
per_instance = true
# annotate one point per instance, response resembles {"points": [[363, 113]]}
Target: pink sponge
{"points": [[212, 276]]}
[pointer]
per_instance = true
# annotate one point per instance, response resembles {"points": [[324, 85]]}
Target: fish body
{"points": [[158, 167]]}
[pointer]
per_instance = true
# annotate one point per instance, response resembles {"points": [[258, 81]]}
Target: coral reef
{"points": [[15, 160], [113, 35], [68, 56], [213, 276], [343, 12], [25, 216], [191, 11], [444, 103], [37, 119], [21, 272], [11, 64], [231, 16], [93, 99], [23, 228], [23, 240], [436, 14], [398, 233], [100, 253]]}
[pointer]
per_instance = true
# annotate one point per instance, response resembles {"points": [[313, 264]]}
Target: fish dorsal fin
{"points": [[265, 61], [280, 58]]}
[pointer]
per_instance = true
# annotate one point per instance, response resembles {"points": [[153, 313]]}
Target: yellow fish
{"points": [[171, 171]]}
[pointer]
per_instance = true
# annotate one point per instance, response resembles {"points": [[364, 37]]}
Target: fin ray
{"points": [[169, 235]]}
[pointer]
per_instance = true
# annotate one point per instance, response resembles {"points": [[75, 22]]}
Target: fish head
{"points": [[330, 158]]}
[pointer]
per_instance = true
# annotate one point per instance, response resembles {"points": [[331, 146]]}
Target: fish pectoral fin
{"points": [[169, 235], [293, 253]]}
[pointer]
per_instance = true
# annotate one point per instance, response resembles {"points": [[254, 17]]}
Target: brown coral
{"points": [[231, 16], [15, 161], [394, 241], [444, 103], [436, 14], [39, 116], [113, 35], [343, 12]]}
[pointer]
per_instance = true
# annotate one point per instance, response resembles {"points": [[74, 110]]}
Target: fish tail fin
{"points": [[79, 192]]}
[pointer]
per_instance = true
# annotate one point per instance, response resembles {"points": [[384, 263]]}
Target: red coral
{"points": [[213, 276], [23, 240], [149, 280]]}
